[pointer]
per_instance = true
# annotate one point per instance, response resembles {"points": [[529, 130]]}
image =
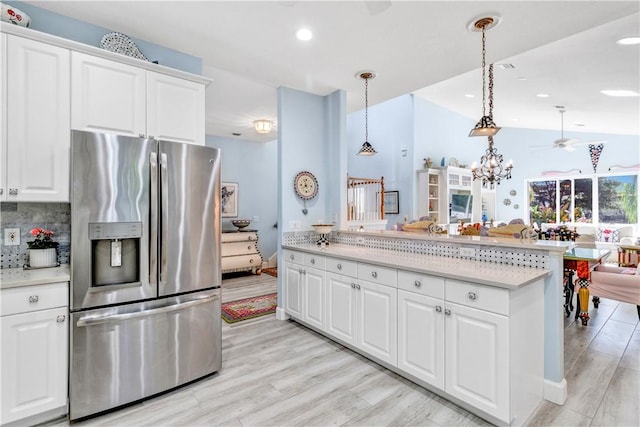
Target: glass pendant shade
{"points": [[263, 126], [485, 127], [367, 150]]}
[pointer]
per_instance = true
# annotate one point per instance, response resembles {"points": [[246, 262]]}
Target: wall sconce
{"points": [[263, 125]]}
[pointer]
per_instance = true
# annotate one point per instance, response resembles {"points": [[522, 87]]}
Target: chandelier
{"points": [[485, 126], [263, 125], [366, 149]]}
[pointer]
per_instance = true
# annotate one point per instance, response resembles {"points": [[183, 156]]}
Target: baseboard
{"points": [[555, 392], [281, 314]]}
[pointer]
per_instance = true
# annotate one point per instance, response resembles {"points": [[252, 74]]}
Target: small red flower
{"points": [[11, 12]]}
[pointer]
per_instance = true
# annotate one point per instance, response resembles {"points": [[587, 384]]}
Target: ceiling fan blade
{"points": [[569, 148]]}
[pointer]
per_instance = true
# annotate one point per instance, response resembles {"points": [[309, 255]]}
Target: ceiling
{"points": [[566, 49]]}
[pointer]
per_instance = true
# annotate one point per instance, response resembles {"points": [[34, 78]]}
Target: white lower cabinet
{"points": [[304, 289], [33, 361]]}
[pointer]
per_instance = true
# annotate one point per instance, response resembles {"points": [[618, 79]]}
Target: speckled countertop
{"points": [[499, 275], [15, 277]]}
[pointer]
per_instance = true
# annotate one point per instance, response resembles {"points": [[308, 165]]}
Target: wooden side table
{"points": [[625, 253]]}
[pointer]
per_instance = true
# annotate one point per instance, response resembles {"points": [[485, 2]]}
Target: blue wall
{"points": [[62, 26], [254, 166]]}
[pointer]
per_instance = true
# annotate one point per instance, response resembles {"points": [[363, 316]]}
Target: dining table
{"points": [[579, 262]]}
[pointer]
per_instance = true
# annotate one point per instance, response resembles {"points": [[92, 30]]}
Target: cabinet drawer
{"points": [[340, 266], [376, 274], [422, 284], [239, 248], [241, 262], [239, 236], [32, 298], [315, 261], [293, 256], [482, 297]]}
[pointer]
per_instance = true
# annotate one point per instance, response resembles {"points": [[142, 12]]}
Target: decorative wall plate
{"points": [[507, 202], [513, 192], [122, 44], [516, 206], [305, 185]]}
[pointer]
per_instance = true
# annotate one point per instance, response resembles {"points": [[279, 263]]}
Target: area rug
{"points": [[249, 308], [271, 271]]}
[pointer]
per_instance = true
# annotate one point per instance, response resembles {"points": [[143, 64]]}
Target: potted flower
{"points": [[42, 249], [607, 234]]}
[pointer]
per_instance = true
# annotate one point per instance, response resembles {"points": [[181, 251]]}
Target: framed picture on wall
{"points": [[229, 199], [391, 202]]}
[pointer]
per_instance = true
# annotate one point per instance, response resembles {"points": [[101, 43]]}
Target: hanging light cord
{"points": [[484, 52], [366, 108]]}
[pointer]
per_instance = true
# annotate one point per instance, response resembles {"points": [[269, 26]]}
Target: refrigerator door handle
{"points": [[115, 318], [164, 216], [153, 244]]}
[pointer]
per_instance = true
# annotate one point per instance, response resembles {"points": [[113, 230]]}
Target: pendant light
{"points": [[263, 125], [366, 149], [486, 126]]}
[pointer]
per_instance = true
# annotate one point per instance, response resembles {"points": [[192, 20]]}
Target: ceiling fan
{"points": [[567, 143]]}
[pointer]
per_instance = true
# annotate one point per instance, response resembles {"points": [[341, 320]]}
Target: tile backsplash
{"points": [[27, 216]]}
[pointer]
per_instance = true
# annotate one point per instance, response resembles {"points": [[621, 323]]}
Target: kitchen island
{"points": [[472, 319]]}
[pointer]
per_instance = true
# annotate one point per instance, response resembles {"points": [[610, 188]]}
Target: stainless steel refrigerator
{"points": [[145, 269]]}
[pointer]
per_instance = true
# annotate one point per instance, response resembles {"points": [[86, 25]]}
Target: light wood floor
{"points": [[277, 373]]}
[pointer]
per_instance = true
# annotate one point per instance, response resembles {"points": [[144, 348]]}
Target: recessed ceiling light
{"points": [[629, 40], [543, 95], [304, 34], [522, 78], [620, 93], [507, 66], [236, 134], [514, 119], [469, 95], [579, 124]]}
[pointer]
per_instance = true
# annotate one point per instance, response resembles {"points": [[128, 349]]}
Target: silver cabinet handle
{"points": [[291, 257], [374, 274], [438, 308], [13, 191], [251, 261], [164, 215], [418, 283], [357, 286], [251, 238], [34, 298], [353, 285], [141, 135], [447, 312], [300, 271], [339, 266], [61, 318], [153, 228], [313, 260], [248, 247], [472, 296], [1, 191]]}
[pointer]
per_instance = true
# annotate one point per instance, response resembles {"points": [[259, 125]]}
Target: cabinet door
{"points": [[34, 363], [377, 320], [37, 128], [314, 299], [107, 96], [477, 354], [3, 117], [341, 306], [293, 292], [421, 337], [175, 109]]}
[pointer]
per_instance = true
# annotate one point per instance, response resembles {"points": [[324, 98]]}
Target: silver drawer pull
{"points": [[291, 257], [339, 266], [249, 247], [34, 298], [61, 318], [418, 283], [251, 261], [438, 308], [357, 286], [447, 312], [472, 296], [374, 274], [250, 238], [13, 191], [313, 260], [353, 285]]}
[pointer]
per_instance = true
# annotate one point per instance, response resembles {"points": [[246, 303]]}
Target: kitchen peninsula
{"points": [[477, 320]]}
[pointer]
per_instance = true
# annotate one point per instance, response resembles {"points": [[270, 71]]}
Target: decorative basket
{"points": [[122, 44], [14, 15]]}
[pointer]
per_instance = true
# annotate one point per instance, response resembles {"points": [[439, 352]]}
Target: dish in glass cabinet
{"points": [[322, 228], [241, 223]]}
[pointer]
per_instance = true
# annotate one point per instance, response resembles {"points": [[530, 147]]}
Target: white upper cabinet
{"points": [[175, 109], [36, 134], [108, 96]]}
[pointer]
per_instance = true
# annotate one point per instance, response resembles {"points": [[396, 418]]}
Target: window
{"points": [[614, 199]]}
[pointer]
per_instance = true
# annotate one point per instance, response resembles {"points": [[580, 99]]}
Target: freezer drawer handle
{"points": [[34, 298], [90, 321]]}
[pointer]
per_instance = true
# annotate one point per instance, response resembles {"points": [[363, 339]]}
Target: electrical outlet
{"points": [[468, 252], [11, 236], [294, 225]]}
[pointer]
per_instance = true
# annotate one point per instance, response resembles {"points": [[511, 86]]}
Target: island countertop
{"points": [[15, 277], [486, 273]]}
